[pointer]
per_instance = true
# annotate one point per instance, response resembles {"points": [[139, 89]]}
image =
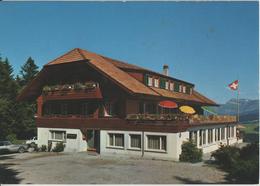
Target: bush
{"points": [[190, 152], [59, 147], [225, 156], [43, 148], [251, 151], [11, 137], [245, 171], [241, 164]]}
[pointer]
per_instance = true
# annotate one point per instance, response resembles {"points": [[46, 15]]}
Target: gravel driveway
{"points": [[81, 168]]}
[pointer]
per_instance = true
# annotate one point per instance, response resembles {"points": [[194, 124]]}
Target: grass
{"points": [[251, 132], [251, 127]]}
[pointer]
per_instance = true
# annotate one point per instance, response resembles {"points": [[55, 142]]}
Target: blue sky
{"points": [[209, 44]]}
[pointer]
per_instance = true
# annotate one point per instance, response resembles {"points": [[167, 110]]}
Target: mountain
{"points": [[248, 109]]}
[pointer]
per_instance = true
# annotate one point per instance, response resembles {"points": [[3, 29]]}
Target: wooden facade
{"points": [[114, 98]]}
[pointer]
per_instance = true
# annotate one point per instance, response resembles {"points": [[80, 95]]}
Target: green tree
{"points": [[8, 86], [28, 71], [8, 92]]}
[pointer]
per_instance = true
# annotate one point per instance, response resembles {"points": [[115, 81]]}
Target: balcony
{"points": [[88, 90], [181, 118], [198, 119]]}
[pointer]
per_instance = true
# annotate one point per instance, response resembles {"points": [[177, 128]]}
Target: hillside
{"points": [[249, 109]]}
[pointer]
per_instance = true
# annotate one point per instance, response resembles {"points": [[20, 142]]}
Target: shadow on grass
{"points": [[190, 181], [8, 175]]}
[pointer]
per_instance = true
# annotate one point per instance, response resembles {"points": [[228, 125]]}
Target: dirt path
{"points": [[80, 168]]}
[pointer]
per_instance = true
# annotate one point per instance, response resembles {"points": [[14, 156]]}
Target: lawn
{"points": [[251, 132]]}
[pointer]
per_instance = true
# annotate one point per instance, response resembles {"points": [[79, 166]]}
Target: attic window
{"points": [[171, 86], [156, 83], [167, 85], [183, 89], [180, 88], [150, 81]]}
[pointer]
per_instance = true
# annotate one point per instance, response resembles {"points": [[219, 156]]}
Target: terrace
{"points": [[191, 119]]}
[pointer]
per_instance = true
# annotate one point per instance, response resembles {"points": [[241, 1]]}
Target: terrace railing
{"points": [[192, 119], [157, 117], [212, 119]]}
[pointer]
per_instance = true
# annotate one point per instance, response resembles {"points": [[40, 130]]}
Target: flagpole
{"points": [[238, 103]]}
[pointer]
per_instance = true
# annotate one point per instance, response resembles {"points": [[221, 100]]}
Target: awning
{"points": [[187, 109], [168, 104]]}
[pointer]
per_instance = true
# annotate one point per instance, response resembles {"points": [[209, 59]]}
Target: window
{"points": [[232, 131], [191, 90], [116, 140], [171, 86], [184, 89], [156, 83], [162, 83], [222, 133], [180, 88], [217, 134], [64, 109], [202, 137], [135, 141], [156, 142], [210, 135], [150, 81], [58, 135], [167, 85]]}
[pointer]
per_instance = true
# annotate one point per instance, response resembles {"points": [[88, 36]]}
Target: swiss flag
{"points": [[234, 85]]}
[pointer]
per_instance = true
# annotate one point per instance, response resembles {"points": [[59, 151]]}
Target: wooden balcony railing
{"points": [[158, 117], [87, 90], [194, 119], [212, 119], [94, 93]]}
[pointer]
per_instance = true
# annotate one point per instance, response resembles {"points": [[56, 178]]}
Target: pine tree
{"points": [[28, 72]]}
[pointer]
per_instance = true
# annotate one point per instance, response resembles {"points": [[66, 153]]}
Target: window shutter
{"points": [[188, 90], [162, 83], [176, 87], [146, 79]]}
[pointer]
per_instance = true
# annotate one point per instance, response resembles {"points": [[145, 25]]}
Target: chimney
{"points": [[166, 70]]}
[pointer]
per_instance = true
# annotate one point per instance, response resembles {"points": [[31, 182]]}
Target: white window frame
{"points": [[150, 81], [156, 150], [171, 86], [180, 88], [63, 135], [191, 89], [184, 89], [129, 140], [113, 146], [167, 85], [156, 82]]}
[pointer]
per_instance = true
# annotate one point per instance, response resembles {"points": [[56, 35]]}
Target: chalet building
{"points": [[94, 103]]}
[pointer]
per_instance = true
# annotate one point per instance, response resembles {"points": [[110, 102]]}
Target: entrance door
{"points": [[93, 140]]}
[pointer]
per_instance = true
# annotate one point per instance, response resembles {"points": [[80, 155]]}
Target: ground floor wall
{"points": [[145, 144], [73, 139], [158, 145]]}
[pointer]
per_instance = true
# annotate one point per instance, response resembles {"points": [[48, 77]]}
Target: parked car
{"points": [[7, 146], [32, 142]]}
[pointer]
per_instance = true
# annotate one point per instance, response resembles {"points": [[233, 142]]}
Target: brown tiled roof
{"points": [[68, 57], [113, 69], [203, 98], [123, 65], [182, 96], [116, 74]]}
